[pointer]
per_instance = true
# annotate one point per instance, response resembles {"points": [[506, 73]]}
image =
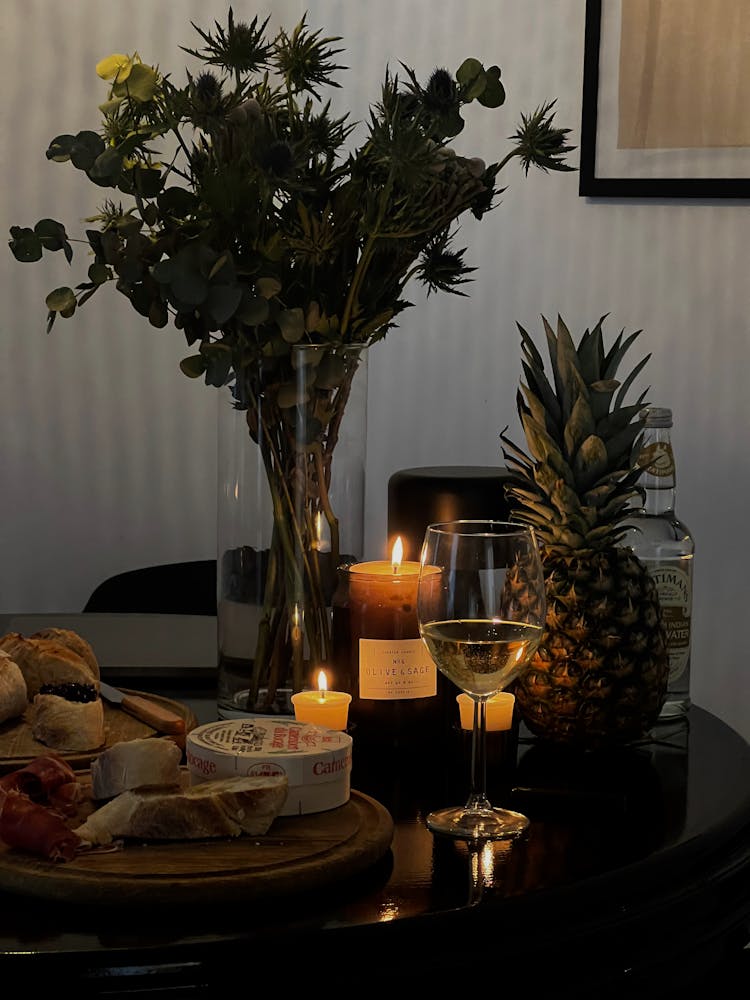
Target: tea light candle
{"points": [[329, 709], [498, 711]]}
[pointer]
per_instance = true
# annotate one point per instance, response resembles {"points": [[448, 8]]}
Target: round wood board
{"points": [[298, 853], [18, 747]]}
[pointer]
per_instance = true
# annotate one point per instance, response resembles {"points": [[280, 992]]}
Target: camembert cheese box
{"points": [[316, 761]]}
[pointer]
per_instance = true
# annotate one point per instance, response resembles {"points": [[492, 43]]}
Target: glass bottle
{"points": [[665, 545]]}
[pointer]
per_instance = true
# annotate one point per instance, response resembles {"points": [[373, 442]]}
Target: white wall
{"points": [[108, 452]]}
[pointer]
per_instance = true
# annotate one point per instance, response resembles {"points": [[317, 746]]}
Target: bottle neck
{"points": [[658, 477]]}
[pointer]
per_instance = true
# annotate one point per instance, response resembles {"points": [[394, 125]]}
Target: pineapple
{"points": [[599, 676]]}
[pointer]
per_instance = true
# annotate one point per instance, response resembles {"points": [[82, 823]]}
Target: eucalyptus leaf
{"points": [[176, 201], [188, 284], [99, 273], [268, 287], [85, 148], [158, 315], [470, 74], [107, 166], [253, 310], [222, 301], [147, 182], [163, 271], [141, 299], [60, 147], [61, 300], [291, 394], [51, 233], [128, 269], [25, 245], [194, 366], [292, 325], [331, 372], [493, 95]]}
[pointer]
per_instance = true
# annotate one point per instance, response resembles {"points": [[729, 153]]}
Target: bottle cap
{"points": [[657, 416]]}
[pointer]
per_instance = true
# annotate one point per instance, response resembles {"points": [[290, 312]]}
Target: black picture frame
{"points": [[591, 181]]}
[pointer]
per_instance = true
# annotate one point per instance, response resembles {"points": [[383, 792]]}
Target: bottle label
{"points": [[392, 669], [657, 459], [675, 597]]}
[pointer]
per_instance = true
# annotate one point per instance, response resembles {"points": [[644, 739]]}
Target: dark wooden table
{"points": [[634, 880]]}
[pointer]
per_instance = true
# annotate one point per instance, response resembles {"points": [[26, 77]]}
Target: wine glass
{"points": [[481, 610]]}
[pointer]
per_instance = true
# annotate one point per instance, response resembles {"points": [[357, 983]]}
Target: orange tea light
{"points": [[498, 711], [329, 709]]}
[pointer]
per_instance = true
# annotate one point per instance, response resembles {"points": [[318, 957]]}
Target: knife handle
{"points": [[161, 719]]}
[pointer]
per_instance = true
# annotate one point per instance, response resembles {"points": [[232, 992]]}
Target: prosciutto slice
{"points": [[47, 780], [34, 828]]}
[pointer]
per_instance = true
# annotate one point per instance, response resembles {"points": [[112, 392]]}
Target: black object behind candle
{"points": [[422, 496]]}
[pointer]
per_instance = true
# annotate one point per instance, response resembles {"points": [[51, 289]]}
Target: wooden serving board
{"points": [[18, 747], [298, 853]]}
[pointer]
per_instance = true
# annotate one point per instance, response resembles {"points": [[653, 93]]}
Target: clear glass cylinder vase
{"points": [[291, 466]]}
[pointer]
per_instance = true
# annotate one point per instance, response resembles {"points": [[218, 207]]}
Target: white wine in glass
{"points": [[481, 611]]}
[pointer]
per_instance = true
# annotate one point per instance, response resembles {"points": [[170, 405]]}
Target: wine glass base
{"points": [[477, 824]]}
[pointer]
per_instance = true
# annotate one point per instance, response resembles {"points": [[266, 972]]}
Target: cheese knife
{"points": [[163, 720]]}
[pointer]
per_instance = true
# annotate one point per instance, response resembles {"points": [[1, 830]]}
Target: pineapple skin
{"points": [[599, 676]]}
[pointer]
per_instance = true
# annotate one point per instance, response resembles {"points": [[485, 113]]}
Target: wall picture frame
{"points": [[666, 88]]}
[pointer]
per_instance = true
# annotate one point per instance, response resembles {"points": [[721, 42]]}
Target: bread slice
{"points": [[226, 807], [135, 764], [67, 725]]}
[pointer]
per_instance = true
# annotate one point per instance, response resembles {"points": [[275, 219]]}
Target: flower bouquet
{"points": [[239, 210]]}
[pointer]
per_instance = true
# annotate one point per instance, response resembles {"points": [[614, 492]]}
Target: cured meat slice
{"points": [[40, 777], [48, 780], [33, 828]]}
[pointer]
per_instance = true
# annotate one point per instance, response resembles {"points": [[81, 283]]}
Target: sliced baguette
{"points": [[226, 807], [135, 764]]}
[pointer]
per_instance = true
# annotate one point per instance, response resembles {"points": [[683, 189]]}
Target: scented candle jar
{"points": [[398, 695]]}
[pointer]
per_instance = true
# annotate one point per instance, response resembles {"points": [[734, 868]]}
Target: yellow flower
{"points": [[130, 78], [115, 67]]}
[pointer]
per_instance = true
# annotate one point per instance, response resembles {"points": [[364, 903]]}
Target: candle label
{"points": [[391, 669]]}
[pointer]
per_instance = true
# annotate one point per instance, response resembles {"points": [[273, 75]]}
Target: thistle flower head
{"points": [[278, 159], [539, 143], [241, 48], [440, 96], [442, 268]]}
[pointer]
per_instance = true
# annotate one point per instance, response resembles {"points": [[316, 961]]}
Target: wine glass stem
{"points": [[477, 796]]}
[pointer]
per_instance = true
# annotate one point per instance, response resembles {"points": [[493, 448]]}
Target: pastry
{"points": [[227, 807], [135, 764], [13, 696]]}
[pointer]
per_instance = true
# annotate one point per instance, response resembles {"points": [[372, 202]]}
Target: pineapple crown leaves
{"points": [[576, 479]]}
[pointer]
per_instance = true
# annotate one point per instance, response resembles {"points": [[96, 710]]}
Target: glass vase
{"points": [[291, 466]]}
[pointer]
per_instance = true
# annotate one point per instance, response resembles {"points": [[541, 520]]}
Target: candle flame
{"points": [[319, 526], [322, 684], [397, 554]]}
